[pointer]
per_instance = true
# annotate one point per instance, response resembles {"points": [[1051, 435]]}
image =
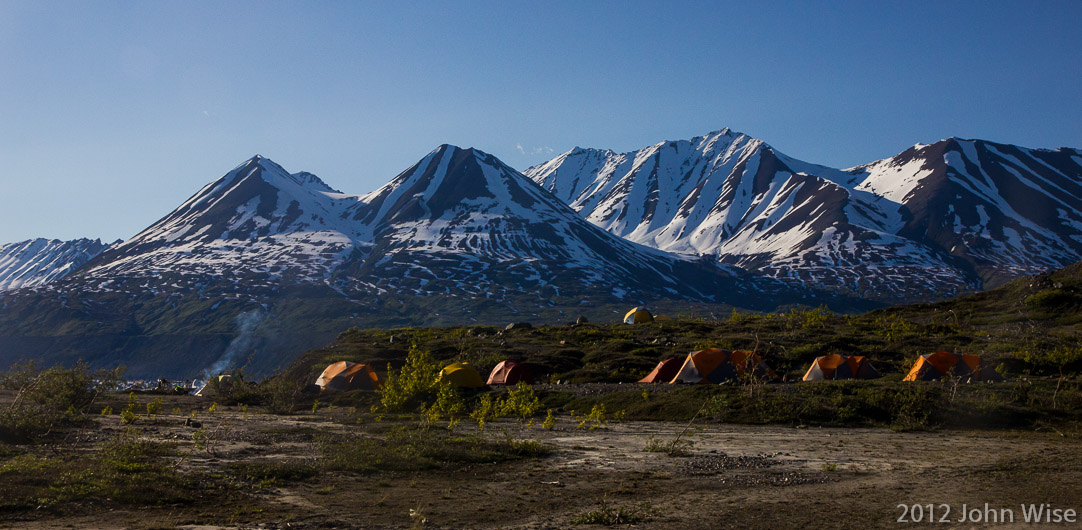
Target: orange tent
{"points": [[510, 373], [934, 366], [714, 365], [664, 371], [345, 375], [836, 366]]}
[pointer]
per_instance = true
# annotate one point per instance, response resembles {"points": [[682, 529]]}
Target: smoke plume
{"points": [[241, 345]]}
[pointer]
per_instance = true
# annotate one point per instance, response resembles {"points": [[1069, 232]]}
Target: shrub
{"points": [[51, 398], [416, 379], [281, 394], [128, 416], [550, 421], [676, 447], [448, 404], [487, 409], [597, 417], [154, 407], [521, 402]]}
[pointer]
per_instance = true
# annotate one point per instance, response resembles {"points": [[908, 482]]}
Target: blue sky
{"points": [[114, 112]]}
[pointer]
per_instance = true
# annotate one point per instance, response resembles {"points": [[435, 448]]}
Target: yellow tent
{"points": [[638, 315], [462, 375]]}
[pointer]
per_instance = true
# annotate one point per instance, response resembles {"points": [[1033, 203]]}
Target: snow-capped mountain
{"points": [[998, 211], [881, 231], [39, 261], [285, 262], [257, 219], [461, 221]]}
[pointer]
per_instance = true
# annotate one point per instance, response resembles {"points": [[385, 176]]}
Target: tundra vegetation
{"points": [[71, 446]]}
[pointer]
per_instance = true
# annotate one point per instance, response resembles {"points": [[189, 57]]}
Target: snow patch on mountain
{"points": [[36, 262]]}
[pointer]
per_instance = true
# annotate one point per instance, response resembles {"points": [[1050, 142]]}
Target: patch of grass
{"points": [[413, 448], [898, 405], [608, 515], [274, 472], [126, 470], [670, 447]]}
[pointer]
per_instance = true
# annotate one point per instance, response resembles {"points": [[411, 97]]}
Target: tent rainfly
{"points": [[224, 382]]}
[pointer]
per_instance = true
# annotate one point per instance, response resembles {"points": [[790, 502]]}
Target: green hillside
{"points": [[1029, 326]]}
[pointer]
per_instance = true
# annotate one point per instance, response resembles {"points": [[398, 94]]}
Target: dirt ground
{"points": [[734, 476]]}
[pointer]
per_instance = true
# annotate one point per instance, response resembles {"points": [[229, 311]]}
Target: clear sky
{"points": [[113, 112]]}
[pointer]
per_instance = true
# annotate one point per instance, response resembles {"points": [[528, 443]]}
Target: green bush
{"points": [[51, 398], [521, 402], [281, 394], [128, 415], [487, 409], [410, 385], [448, 404]]}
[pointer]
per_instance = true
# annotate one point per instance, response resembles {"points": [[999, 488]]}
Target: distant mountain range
{"points": [[263, 263], [931, 222]]}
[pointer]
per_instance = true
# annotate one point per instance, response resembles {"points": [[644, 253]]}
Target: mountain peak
{"points": [[309, 180]]}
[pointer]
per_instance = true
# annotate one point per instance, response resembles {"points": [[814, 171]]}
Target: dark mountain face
{"points": [[1000, 211]]}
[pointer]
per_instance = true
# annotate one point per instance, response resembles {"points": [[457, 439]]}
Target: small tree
{"points": [[417, 378]]}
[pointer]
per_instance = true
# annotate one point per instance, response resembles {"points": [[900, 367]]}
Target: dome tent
{"points": [[664, 371], [346, 375], [638, 315], [935, 366], [462, 375], [715, 365], [510, 373], [836, 366]]}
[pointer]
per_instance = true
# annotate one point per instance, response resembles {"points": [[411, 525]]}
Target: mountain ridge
{"points": [[860, 230]]}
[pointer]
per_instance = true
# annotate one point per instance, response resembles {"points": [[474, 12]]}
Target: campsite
{"points": [[653, 419], [747, 421]]}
